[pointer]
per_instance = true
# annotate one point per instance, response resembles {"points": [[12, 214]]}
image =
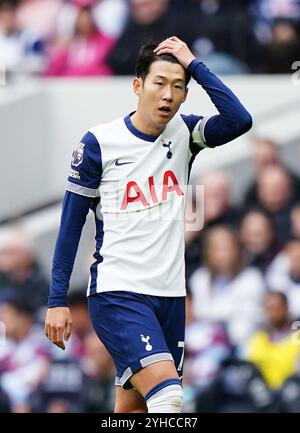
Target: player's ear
{"points": [[137, 85]]}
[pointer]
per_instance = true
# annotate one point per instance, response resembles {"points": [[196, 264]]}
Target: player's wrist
{"points": [[188, 60], [57, 302]]}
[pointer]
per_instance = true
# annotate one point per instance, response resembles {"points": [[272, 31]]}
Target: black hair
{"points": [[8, 4], [21, 304], [257, 210], [147, 56]]}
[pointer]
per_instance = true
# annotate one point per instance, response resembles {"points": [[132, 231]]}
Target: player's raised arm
{"points": [[233, 119], [82, 189]]}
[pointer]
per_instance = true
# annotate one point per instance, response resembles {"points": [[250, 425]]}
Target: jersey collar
{"points": [[136, 132]]}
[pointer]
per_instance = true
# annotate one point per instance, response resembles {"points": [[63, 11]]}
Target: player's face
{"points": [[162, 92]]}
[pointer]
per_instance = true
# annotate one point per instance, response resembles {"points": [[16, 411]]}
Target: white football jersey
{"points": [[139, 185]]}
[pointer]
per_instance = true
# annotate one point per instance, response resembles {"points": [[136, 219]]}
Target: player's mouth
{"points": [[165, 111]]}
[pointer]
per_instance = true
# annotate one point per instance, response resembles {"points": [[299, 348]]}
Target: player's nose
{"points": [[168, 96]]}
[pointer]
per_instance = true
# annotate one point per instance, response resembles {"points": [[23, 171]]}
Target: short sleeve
{"points": [[86, 167]]}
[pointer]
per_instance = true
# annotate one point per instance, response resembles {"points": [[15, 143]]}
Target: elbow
{"points": [[245, 123]]}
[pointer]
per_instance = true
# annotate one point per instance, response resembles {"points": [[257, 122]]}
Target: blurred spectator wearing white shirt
{"points": [[206, 347], [283, 275], [225, 291], [110, 16], [24, 359], [39, 17], [19, 50], [20, 271]]}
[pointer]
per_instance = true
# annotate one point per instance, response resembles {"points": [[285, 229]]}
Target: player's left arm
{"points": [[233, 119]]}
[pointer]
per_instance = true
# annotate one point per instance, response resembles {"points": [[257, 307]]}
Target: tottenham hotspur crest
{"points": [[146, 340], [168, 146], [77, 156]]}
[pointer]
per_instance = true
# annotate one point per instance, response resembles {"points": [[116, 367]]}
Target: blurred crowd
{"points": [[243, 278], [242, 348], [101, 37]]}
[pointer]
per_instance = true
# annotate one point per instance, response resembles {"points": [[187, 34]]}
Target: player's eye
{"points": [[177, 86], [159, 83]]}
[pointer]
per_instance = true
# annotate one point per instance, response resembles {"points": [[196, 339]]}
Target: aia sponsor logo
{"points": [[133, 192]]}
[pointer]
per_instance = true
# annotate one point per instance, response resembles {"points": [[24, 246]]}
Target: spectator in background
{"points": [[39, 17], [258, 239], [283, 49], [80, 379], [223, 35], [110, 17], [265, 153], [223, 290], [206, 347], [19, 49], [283, 275], [217, 210], [58, 405], [20, 272], [100, 371], [272, 348], [81, 323], [295, 221], [4, 403], [85, 54], [65, 388], [24, 359], [268, 12], [149, 19], [276, 196]]}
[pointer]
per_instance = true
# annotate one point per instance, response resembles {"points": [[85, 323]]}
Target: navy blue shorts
{"points": [[138, 330]]}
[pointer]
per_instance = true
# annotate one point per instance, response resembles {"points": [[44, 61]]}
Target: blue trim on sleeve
{"points": [[233, 120], [74, 213]]}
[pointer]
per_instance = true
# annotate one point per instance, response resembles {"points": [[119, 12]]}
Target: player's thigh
{"points": [[151, 375], [127, 325], [129, 401]]}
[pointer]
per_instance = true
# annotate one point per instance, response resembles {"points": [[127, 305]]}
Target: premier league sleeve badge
{"points": [[77, 156]]}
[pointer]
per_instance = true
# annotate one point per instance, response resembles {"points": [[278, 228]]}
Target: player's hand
{"points": [[58, 325], [178, 49]]}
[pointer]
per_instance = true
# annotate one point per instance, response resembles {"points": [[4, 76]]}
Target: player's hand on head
{"points": [[58, 325], [177, 48]]}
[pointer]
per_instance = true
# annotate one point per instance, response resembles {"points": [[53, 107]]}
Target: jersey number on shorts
{"points": [[181, 344]]}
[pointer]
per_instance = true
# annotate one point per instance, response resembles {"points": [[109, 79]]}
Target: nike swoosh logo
{"points": [[117, 163]]}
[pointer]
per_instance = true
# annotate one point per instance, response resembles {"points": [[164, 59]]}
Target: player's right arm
{"points": [[82, 190], [233, 119]]}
